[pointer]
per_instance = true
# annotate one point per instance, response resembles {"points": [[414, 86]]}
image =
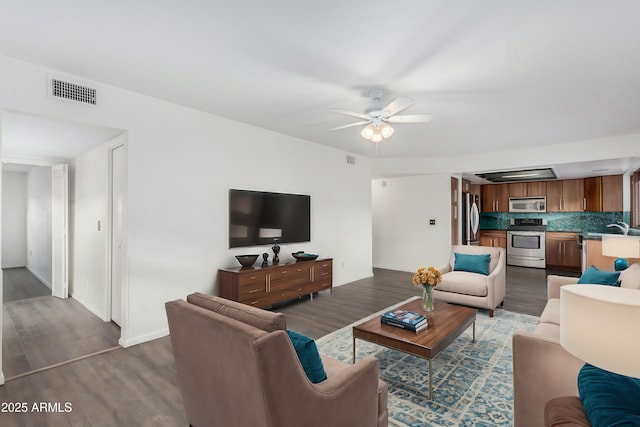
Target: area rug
{"points": [[472, 382]]}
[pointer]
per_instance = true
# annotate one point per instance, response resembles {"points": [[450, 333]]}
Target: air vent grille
{"points": [[351, 159], [73, 92]]}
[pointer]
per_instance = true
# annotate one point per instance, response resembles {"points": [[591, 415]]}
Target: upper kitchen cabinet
{"points": [[528, 189], [612, 193], [593, 194], [565, 196], [495, 198], [603, 194]]}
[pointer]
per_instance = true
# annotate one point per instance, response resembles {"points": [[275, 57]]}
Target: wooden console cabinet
{"points": [[265, 286]]}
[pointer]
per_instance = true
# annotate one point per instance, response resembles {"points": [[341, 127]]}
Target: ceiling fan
{"points": [[377, 118]]}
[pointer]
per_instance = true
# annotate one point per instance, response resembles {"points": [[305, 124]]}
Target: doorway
{"points": [[86, 332]]}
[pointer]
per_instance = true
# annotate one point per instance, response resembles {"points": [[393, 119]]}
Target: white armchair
{"points": [[474, 289]]}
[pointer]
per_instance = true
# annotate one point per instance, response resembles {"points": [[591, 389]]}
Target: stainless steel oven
{"points": [[526, 242]]}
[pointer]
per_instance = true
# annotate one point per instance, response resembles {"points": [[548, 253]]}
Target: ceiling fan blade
{"points": [[351, 125], [399, 104], [411, 118], [351, 113]]}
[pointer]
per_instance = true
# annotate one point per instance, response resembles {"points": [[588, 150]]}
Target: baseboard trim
{"points": [[42, 279], [92, 309], [143, 338]]}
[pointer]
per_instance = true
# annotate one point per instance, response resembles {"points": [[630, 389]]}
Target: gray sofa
{"points": [[542, 368], [237, 367]]}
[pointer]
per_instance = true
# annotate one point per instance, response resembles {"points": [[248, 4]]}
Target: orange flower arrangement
{"points": [[427, 277]]}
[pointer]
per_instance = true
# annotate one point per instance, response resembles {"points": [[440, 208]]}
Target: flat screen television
{"points": [[262, 218]]}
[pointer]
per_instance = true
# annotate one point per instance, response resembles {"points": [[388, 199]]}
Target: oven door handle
{"points": [[528, 258]]}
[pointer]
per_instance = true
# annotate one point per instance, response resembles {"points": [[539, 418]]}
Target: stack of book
{"points": [[405, 320]]}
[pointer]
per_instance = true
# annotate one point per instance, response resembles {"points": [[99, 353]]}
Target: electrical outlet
{"points": [[432, 222]]}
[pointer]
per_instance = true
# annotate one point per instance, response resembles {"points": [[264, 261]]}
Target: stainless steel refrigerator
{"points": [[470, 219]]}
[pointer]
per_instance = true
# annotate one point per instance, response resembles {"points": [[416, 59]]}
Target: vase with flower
{"points": [[427, 278]]}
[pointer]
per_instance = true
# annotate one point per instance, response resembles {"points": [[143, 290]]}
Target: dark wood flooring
{"points": [[39, 330], [526, 294], [137, 385], [20, 283]]}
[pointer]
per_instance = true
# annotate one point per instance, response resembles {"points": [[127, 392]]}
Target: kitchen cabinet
{"points": [[562, 250], [528, 189], [495, 198], [593, 194], [493, 238], [612, 193], [565, 195], [603, 194]]}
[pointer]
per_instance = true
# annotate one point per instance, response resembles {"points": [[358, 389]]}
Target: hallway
{"points": [[40, 330]]}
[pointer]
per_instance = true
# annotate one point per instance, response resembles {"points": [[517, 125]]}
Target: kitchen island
{"points": [[592, 248]]}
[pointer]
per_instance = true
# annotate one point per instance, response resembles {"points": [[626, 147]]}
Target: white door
{"points": [[60, 228], [118, 176]]}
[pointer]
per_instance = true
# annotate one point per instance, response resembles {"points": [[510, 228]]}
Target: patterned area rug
{"points": [[472, 382]]}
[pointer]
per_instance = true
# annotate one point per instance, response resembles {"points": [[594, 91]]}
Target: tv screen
{"points": [[261, 218]]}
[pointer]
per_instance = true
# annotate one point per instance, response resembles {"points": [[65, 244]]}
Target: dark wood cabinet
{"points": [[593, 194], [265, 286], [562, 250], [495, 198], [493, 238], [603, 194], [528, 189], [565, 195], [612, 193]]}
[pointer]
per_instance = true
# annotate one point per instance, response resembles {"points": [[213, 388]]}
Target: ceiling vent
{"points": [[519, 175], [72, 91]]}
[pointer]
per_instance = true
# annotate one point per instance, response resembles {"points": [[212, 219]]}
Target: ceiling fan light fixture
{"points": [[386, 130], [377, 136], [368, 131]]}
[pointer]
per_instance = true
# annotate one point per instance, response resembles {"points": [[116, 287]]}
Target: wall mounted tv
{"points": [[261, 218]]}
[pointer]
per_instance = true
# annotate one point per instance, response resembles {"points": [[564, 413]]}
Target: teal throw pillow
{"points": [[472, 263], [593, 276], [609, 399], [309, 356]]}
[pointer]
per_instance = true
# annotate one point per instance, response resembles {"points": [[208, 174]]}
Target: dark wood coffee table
{"points": [[448, 322]]}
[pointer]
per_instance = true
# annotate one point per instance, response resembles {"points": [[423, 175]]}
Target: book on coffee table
{"points": [[404, 319]]}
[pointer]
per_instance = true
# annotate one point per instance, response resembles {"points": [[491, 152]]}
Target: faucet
{"points": [[624, 227]]}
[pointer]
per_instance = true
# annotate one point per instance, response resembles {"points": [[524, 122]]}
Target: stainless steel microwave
{"points": [[527, 204]]}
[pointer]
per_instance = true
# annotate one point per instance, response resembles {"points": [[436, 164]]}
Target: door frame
{"points": [[119, 141]]}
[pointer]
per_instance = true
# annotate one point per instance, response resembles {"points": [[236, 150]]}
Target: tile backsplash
{"points": [[581, 222]]}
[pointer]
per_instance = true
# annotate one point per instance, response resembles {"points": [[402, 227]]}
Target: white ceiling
{"points": [[496, 74], [26, 137]]}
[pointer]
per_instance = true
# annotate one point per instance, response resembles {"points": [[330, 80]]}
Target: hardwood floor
{"points": [[39, 330], [20, 283], [137, 385], [526, 294]]}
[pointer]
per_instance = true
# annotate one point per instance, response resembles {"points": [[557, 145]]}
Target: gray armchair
{"points": [[237, 367], [474, 289]]}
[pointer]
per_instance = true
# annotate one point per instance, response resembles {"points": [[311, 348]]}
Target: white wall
{"points": [[14, 219], [39, 223], [181, 164], [402, 207]]}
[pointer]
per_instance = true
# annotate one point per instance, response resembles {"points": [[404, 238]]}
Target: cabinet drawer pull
{"points": [[253, 302], [254, 290]]}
